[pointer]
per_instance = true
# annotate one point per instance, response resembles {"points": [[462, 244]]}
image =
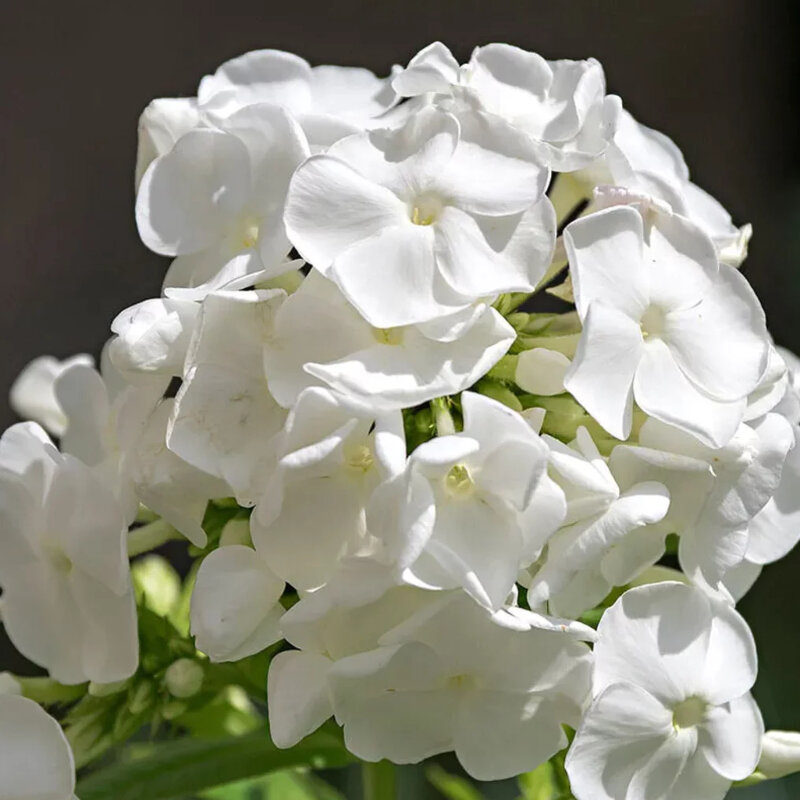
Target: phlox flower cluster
{"points": [[430, 495]]}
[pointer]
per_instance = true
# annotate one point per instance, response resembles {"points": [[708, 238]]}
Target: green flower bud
{"points": [[184, 678]]}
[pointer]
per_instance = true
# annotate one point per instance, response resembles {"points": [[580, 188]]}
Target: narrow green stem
{"points": [[379, 781], [150, 536]]}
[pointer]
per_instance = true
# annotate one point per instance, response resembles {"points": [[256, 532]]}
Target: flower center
{"points": [[458, 481], [392, 336], [652, 322], [425, 209], [59, 560], [359, 457], [461, 682], [689, 712]]}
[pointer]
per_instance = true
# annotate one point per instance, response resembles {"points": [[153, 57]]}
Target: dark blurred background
{"points": [[718, 76]]}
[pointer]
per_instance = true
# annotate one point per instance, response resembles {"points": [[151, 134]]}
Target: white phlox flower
{"points": [[225, 419], [328, 102], [417, 223], [672, 715], [472, 508], [647, 163], [161, 124], [562, 105], [664, 324], [435, 684], [337, 453], [216, 199], [384, 368], [119, 430], [67, 598], [36, 760], [609, 534], [715, 492]]}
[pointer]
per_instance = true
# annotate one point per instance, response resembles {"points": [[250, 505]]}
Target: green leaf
{"points": [[452, 787], [188, 766], [286, 785]]}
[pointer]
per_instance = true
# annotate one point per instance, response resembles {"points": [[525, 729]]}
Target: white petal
{"points": [[110, 636], [433, 69], [391, 278], [153, 336], [161, 124], [32, 394], [469, 263], [624, 734], [234, 604], [306, 541], [525, 732], [297, 693], [331, 207], [702, 339], [681, 262], [605, 253], [730, 738], [495, 169], [259, 76], [35, 758], [775, 530], [188, 196], [656, 637], [602, 374], [663, 391]]}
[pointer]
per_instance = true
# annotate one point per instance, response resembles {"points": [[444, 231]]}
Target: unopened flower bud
{"points": [[174, 709], [184, 678], [780, 754], [141, 698], [107, 689]]}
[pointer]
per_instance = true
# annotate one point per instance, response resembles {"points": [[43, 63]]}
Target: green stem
{"points": [[379, 781], [150, 536]]}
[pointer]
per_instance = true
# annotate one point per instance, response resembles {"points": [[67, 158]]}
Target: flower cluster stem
{"points": [[378, 781]]}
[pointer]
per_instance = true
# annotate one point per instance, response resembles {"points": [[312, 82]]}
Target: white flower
{"points": [[780, 754], [161, 124], [33, 393], [326, 626], [216, 198], [715, 492], [439, 683], [664, 324], [470, 509], [561, 105], [119, 430], [646, 161], [235, 604], [417, 223], [608, 537], [319, 337], [35, 758], [67, 597], [328, 102], [333, 455], [153, 336], [225, 419], [672, 716]]}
